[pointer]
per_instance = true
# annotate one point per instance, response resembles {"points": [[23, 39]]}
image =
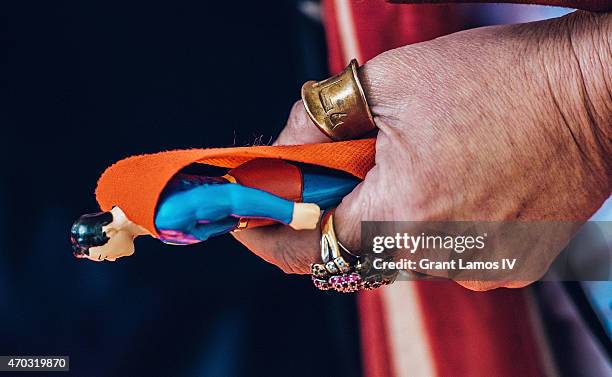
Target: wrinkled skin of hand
{"points": [[499, 123]]}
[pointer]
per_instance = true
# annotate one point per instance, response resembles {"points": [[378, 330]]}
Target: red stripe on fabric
{"points": [[479, 333], [335, 58], [381, 26], [470, 333], [375, 350]]}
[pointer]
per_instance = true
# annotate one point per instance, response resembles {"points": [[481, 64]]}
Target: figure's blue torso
{"points": [[195, 208]]}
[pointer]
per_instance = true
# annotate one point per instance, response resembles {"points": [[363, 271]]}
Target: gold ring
{"points": [[338, 105], [330, 248], [336, 273]]}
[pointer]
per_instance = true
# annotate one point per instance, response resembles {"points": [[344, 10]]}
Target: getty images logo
{"points": [[413, 243]]}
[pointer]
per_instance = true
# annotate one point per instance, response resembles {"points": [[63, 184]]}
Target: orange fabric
{"points": [[135, 183]]}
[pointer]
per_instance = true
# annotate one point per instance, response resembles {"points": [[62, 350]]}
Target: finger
{"points": [[482, 286], [362, 204], [291, 250], [294, 251], [300, 129]]}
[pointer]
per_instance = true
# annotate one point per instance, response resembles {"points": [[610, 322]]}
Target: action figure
{"points": [[193, 208]]}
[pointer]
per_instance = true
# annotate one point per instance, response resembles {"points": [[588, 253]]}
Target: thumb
{"points": [[300, 129]]}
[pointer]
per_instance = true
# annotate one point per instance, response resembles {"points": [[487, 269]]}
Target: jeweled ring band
{"points": [[338, 105], [336, 272]]}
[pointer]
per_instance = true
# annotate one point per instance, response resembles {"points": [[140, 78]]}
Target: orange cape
{"points": [[135, 183]]}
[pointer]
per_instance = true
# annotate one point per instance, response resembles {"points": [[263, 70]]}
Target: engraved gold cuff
{"points": [[338, 105]]}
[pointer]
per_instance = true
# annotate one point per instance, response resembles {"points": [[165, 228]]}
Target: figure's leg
{"points": [[327, 188], [194, 210], [184, 215], [178, 221]]}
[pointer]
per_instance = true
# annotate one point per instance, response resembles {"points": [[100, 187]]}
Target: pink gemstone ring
{"points": [[337, 273]]}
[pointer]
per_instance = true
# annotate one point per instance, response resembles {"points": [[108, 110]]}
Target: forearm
{"points": [[591, 5], [592, 42]]}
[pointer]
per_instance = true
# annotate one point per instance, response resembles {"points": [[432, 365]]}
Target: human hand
{"points": [[499, 123]]}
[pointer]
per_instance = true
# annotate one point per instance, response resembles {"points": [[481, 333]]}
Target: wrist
{"points": [[591, 39], [574, 53]]}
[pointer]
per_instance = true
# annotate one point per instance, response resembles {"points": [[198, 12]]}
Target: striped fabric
{"points": [[431, 328]]}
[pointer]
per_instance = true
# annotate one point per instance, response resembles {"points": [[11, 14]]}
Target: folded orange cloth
{"points": [[135, 183]]}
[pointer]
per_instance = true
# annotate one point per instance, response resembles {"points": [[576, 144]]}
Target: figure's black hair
{"points": [[87, 232]]}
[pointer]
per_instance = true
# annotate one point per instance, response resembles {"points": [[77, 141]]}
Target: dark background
{"points": [[86, 83]]}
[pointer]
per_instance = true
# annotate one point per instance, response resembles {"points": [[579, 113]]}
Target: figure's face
{"points": [[101, 236], [120, 244]]}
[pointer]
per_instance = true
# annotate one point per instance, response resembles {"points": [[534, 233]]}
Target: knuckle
{"points": [[479, 285], [516, 284], [297, 114]]}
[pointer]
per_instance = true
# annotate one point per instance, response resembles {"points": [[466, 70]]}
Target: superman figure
{"points": [[193, 208]]}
